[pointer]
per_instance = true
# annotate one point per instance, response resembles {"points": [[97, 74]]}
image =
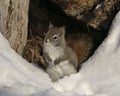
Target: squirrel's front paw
{"points": [[57, 61]]}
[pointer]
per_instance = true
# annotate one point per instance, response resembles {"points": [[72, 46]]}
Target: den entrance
{"points": [[86, 24]]}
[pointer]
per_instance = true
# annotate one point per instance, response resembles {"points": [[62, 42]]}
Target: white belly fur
{"points": [[64, 68], [53, 52]]}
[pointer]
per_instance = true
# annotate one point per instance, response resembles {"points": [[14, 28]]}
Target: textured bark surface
{"points": [[97, 13], [76, 7], [14, 21]]}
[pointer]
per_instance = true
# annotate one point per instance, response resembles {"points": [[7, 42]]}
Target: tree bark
{"points": [[96, 13], [14, 21]]}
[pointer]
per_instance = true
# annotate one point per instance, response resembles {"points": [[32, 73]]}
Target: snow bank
{"points": [[99, 76]]}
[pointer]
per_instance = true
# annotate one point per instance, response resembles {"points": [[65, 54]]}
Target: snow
{"points": [[99, 76]]}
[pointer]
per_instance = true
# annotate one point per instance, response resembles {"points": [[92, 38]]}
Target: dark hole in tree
{"points": [[83, 38]]}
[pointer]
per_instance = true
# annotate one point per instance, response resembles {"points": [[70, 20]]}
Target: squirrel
{"points": [[60, 58]]}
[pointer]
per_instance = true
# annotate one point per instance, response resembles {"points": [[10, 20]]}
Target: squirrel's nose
{"points": [[47, 40]]}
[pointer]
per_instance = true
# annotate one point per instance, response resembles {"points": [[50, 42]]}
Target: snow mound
{"points": [[99, 76]]}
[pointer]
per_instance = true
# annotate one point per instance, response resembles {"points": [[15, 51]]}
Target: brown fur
{"points": [[82, 45]]}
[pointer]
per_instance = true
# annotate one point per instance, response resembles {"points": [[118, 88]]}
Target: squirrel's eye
{"points": [[55, 37]]}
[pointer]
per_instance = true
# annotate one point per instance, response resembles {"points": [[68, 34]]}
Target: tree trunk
{"points": [[96, 13], [14, 21]]}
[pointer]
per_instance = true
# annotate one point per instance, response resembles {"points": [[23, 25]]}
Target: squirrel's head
{"points": [[55, 36]]}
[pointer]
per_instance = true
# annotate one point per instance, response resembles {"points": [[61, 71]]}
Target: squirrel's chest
{"points": [[53, 52]]}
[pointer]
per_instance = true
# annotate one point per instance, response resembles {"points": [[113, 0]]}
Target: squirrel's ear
{"points": [[50, 25], [62, 31]]}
